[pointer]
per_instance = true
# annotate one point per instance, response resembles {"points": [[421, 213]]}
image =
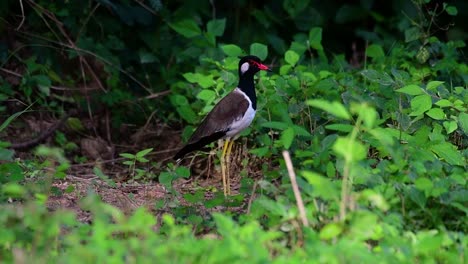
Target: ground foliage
{"points": [[370, 100]]}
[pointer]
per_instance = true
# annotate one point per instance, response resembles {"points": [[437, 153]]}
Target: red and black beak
{"points": [[263, 67]]}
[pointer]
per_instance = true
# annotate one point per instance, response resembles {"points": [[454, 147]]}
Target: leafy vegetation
{"points": [[372, 107]]}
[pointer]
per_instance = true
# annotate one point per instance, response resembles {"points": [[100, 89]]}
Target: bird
{"points": [[229, 117]]}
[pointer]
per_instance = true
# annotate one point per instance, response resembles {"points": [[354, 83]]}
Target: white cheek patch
{"points": [[244, 67]]}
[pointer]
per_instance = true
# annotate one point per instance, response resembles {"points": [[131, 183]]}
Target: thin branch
{"points": [[297, 194], [23, 18], [252, 195]]}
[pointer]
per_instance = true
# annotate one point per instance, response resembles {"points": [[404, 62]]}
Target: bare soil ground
{"points": [[121, 189]]}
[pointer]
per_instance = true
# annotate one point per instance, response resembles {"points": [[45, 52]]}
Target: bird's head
{"points": [[250, 65]]}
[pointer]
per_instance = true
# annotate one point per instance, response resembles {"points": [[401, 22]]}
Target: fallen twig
{"points": [[297, 194]]}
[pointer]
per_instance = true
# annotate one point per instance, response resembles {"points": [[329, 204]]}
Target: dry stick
{"points": [[297, 194]]}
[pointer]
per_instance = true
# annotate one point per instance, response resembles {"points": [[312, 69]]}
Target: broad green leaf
{"points": [[323, 187], [433, 85], [205, 81], [287, 137], [423, 184], [291, 57], [366, 112], [301, 131], [375, 51], [334, 108], [6, 154], [412, 34], [330, 231], [450, 126], [231, 50], [275, 125], [216, 27], [420, 104], [351, 150], [12, 189], [436, 113], [382, 136], [206, 95], [315, 38], [187, 28], [259, 50], [444, 103], [182, 171], [340, 127], [411, 89], [449, 153], [165, 178], [462, 120], [375, 76], [451, 10]]}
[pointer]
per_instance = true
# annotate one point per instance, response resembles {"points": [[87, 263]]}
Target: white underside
{"points": [[241, 123]]}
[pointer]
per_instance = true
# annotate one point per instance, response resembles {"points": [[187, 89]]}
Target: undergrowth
{"points": [[378, 145]]}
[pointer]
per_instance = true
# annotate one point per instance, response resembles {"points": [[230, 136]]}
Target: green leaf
{"points": [[450, 126], [291, 57], [436, 113], [216, 26], [340, 127], [275, 125], [375, 76], [462, 120], [351, 150], [287, 137], [6, 154], [323, 187], [206, 95], [127, 155], [412, 34], [187, 28], [144, 152], [433, 85], [147, 57], [43, 83], [420, 104], [452, 10], [334, 108], [375, 51], [449, 153], [231, 50], [411, 89], [444, 103], [165, 178], [315, 38], [423, 184], [330, 231], [205, 81], [259, 50], [301, 131], [13, 117], [183, 172]]}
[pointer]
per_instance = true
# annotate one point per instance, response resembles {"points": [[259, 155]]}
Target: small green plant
{"points": [[132, 160]]}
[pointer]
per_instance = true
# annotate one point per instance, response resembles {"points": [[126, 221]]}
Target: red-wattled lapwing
{"points": [[229, 117]]}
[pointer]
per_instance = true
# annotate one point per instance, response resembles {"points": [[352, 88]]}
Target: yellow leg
{"points": [[223, 165], [228, 159]]}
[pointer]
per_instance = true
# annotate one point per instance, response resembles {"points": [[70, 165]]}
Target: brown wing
{"points": [[224, 113], [217, 122]]}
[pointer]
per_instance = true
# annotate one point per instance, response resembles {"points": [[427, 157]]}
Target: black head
{"points": [[250, 65]]}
